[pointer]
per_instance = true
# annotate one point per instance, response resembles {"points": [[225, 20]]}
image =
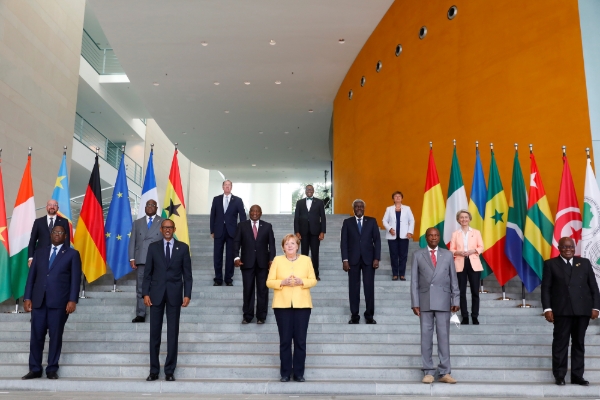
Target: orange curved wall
{"points": [[501, 71]]}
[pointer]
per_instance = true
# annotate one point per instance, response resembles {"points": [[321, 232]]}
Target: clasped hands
{"points": [[148, 302], [292, 281], [465, 253]]}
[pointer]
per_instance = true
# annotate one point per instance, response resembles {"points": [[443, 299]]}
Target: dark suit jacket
{"points": [[40, 234], [313, 221], [261, 250], [218, 218], [175, 279], [574, 294], [60, 284], [366, 245]]}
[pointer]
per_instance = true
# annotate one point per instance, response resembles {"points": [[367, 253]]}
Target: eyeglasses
{"points": [[566, 247], [151, 205], [57, 233]]}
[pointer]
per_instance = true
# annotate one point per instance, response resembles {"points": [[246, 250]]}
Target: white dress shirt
{"points": [[466, 239], [47, 224], [52, 249], [172, 242], [226, 200], [361, 219], [308, 203], [435, 252]]}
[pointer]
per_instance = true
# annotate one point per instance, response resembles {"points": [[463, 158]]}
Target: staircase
{"points": [[509, 354]]}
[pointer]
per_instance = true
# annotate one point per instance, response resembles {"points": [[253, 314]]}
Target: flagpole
{"points": [[114, 289], [481, 288], [83, 278]]}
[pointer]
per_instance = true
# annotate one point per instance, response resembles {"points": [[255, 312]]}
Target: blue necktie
{"points": [[359, 226], [149, 222], [52, 257], [168, 253]]}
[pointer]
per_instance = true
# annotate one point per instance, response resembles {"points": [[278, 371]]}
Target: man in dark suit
{"points": [[144, 231], [257, 241], [167, 278], [223, 223], [51, 294], [570, 298], [40, 232], [310, 225], [361, 251]]}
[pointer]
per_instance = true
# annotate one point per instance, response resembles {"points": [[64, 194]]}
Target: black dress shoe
{"points": [[152, 377], [229, 283], [32, 375], [354, 321], [217, 284], [371, 321], [475, 320], [394, 278], [139, 319], [260, 321], [318, 278], [560, 381], [465, 321], [245, 322], [299, 378], [284, 379], [402, 278], [169, 378], [52, 375], [579, 381]]}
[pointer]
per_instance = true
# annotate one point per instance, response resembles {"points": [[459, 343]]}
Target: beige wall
{"points": [[40, 44]]}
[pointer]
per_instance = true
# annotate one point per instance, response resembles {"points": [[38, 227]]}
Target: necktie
{"points": [[149, 222], [226, 203], [168, 253], [254, 230], [51, 224], [52, 257], [433, 258], [360, 226]]}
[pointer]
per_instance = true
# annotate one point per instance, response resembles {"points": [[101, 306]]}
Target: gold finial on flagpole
{"points": [[516, 146], [477, 144], [454, 143], [564, 151], [587, 151], [492, 147], [430, 145], [530, 148]]}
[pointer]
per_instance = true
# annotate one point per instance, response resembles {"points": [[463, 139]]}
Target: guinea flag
{"points": [[433, 212], [5, 286], [20, 232], [174, 204], [89, 235]]}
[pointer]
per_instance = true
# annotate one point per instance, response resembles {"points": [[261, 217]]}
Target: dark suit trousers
{"points": [[156, 322], [474, 278], [45, 319], [226, 242], [252, 278], [292, 324], [398, 255], [368, 278], [140, 307], [564, 328], [311, 242]]}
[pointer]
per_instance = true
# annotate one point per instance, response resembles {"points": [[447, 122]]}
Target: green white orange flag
{"points": [[20, 231], [433, 212], [174, 204], [494, 227], [5, 284], [457, 199]]}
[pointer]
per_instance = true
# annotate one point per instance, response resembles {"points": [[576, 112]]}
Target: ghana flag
{"points": [[433, 213], [174, 204]]}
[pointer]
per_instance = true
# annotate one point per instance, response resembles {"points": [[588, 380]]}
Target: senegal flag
{"points": [[494, 227], [174, 204], [5, 287], [433, 212]]}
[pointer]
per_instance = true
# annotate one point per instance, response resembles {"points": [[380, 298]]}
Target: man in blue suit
{"points": [[361, 251], [51, 294], [223, 223]]}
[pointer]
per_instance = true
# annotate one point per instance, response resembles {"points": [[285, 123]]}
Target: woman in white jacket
{"points": [[399, 224]]}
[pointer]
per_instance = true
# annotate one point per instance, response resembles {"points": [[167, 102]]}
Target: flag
{"points": [[517, 213], [457, 199], [477, 205], [5, 284], [494, 227], [568, 216], [175, 203], [118, 226], [61, 194], [149, 191], [89, 235], [590, 238], [538, 225], [20, 232], [432, 215]]}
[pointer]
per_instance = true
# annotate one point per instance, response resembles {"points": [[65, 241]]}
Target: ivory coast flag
{"points": [[175, 203], [20, 232], [494, 228], [5, 286], [433, 212], [457, 200], [89, 235]]}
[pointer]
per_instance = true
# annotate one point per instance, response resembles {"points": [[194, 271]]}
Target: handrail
{"points": [[104, 61]]}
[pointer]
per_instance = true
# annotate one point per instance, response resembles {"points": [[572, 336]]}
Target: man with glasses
{"points": [[51, 294], [40, 232], [144, 231]]}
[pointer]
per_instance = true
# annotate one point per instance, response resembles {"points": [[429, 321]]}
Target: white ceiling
{"points": [[160, 41]]}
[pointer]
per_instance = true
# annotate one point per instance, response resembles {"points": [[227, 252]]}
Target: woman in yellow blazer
{"points": [[291, 276], [466, 245]]}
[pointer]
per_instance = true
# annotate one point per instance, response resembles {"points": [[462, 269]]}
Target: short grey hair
{"points": [[225, 181], [359, 201], [463, 211]]}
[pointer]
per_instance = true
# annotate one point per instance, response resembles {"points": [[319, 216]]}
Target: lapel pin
{"points": [[577, 265], [176, 248]]}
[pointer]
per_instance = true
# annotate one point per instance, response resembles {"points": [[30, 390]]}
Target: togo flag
{"points": [[432, 215], [175, 203], [457, 199], [590, 241], [149, 191]]}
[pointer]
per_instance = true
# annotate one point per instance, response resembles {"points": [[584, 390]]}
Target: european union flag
{"points": [[118, 226]]}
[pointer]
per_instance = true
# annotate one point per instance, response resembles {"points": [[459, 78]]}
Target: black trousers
{"points": [[398, 255], [565, 328], [252, 278], [156, 322], [368, 280], [311, 242], [224, 242], [474, 278], [51, 320], [292, 324]]}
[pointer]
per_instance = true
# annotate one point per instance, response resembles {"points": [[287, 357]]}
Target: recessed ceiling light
{"points": [[310, 111], [204, 44], [266, 148], [286, 133], [254, 165], [185, 133], [226, 111], [289, 148], [260, 133], [155, 83], [246, 83], [272, 42], [278, 82], [341, 41], [216, 83]]}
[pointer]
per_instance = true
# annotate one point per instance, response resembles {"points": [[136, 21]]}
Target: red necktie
{"points": [[254, 230], [433, 259]]}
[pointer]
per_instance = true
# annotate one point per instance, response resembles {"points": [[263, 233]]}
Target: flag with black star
{"points": [[174, 204]]}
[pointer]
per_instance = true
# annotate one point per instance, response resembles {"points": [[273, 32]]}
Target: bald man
{"points": [[40, 232]]}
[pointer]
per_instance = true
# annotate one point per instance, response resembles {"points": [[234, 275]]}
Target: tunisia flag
{"points": [[568, 215]]}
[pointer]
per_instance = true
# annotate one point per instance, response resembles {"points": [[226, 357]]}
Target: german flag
{"points": [[174, 205], [89, 236]]}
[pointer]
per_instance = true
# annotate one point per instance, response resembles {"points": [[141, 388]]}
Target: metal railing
{"points": [[77, 202], [104, 61], [92, 138]]}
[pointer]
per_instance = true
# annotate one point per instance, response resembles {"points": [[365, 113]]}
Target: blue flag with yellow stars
{"points": [[118, 226]]}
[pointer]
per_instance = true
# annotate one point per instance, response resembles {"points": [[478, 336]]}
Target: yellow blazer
{"points": [[475, 242], [286, 296]]}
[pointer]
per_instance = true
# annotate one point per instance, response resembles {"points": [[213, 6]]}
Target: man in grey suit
{"points": [[145, 230], [434, 293]]}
